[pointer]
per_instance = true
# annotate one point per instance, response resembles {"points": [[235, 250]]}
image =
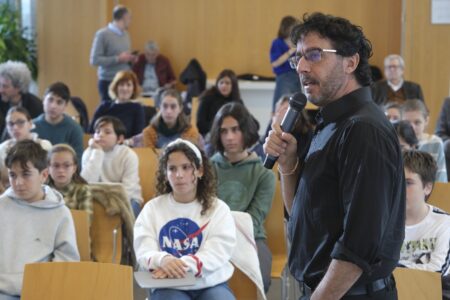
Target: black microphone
{"points": [[297, 103]]}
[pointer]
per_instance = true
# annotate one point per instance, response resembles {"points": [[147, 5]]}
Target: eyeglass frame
{"points": [[295, 60]]}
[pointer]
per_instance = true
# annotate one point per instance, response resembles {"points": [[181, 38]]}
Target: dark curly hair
{"points": [[346, 38], [206, 186]]}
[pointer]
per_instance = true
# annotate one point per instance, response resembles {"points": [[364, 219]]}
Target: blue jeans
{"points": [[218, 292], [286, 83], [8, 297], [103, 86], [135, 207]]}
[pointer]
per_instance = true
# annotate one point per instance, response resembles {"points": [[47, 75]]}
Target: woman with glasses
{"points": [[19, 125], [286, 80], [64, 177]]}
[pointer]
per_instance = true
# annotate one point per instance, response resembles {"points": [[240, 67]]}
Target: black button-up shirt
{"points": [[350, 201]]}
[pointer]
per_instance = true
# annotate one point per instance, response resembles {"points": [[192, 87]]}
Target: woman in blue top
{"points": [[122, 90], [287, 80]]}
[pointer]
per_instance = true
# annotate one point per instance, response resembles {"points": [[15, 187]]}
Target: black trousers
{"points": [[103, 86], [388, 293]]}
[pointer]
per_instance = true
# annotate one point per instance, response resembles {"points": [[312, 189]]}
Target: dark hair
{"points": [[19, 109], [119, 11], [60, 89], [235, 93], [27, 151], [406, 132], [286, 26], [346, 38], [246, 122], [206, 186], [116, 123], [415, 105], [182, 120], [421, 163], [124, 76], [58, 148], [303, 124]]}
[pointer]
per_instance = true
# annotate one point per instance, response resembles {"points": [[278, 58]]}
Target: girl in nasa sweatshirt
{"points": [[186, 228]]}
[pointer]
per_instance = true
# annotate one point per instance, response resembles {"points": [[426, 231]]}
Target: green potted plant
{"points": [[13, 43]]}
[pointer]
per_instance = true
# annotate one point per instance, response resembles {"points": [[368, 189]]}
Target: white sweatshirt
{"points": [[120, 165], [33, 232], [426, 244], [205, 243]]}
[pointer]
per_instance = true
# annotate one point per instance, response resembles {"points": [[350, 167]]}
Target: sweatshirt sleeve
{"points": [[91, 164], [262, 200], [219, 245], [66, 248], [130, 178], [146, 246]]}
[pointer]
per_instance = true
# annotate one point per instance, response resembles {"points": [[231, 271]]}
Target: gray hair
{"points": [[18, 73], [151, 46], [392, 57]]}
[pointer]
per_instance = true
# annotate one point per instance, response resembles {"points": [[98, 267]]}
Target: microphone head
{"points": [[298, 101]]}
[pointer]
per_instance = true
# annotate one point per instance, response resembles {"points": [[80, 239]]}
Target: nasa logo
{"points": [[181, 237]]}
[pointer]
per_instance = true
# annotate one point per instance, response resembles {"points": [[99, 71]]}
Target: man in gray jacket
{"points": [[111, 50]]}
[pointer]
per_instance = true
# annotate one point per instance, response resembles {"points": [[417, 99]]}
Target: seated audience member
{"points": [[395, 88], [53, 124], [186, 228], [443, 129], [37, 226], [393, 112], [242, 181], [64, 176], [154, 70], [15, 78], [416, 113], [427, 231], [170, 123], [406, 135], [19, 125], [107, 160], [122, 90], [225, 90]]}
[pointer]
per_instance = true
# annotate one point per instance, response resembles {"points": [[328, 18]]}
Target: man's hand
{"points": [[126, 57], [282, 145]]}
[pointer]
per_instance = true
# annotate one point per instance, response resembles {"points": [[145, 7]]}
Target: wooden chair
{"points": [[243, 288], [440, 196], [417, 284], [106, 234], [81, 222], [194, 109], [147, 101], [77, 280], [86, 137], [148, 165]]}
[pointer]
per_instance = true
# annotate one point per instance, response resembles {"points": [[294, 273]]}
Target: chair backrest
{"points": [[77, 280], [243, 287], [275, 232], [440, 196], [81, 222], [148, 166], [417, 284], [194, 109], [106, 235]]}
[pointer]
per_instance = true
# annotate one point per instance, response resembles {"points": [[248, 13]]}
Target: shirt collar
{"points": [[395, 87], [345, 105], [113, 27]]}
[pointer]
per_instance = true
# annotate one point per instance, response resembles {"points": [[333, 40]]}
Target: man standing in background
{"points": [[111, 50]]}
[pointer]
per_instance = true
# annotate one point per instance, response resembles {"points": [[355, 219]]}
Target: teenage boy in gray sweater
{"points": [[36, 225]]}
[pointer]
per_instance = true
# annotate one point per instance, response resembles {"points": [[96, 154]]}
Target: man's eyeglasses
{"points": [[19, 123], [312, 55]]}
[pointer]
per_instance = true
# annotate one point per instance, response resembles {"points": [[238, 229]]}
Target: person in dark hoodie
{"points": [[37, 226], [225, 90], [242, 181]]}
